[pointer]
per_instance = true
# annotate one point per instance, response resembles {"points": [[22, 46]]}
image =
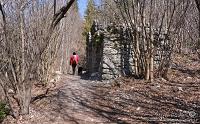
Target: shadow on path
{"points": [[80, 101]]}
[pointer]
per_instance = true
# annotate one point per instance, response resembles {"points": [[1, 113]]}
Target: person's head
{"points": [[74, 53]]}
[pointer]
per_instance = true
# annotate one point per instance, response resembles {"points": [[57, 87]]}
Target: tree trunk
{"points": [[22, 45], [25, 94], [147, 77], [25, 98], [151, 59], [198, 7], [61, 69], [198, 43], [54, 7], [137, 54]]}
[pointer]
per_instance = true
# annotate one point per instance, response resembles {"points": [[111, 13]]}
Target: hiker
{"points": [[74, 62]]}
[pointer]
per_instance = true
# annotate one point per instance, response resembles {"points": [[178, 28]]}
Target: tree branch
{"points": [[198, 4], [3, 13], [58, 16], [61, 14]]}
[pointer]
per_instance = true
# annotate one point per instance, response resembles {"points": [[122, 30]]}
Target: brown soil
{"points": [[126, 100]]}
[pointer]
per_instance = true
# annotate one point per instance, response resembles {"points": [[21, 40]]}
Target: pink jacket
{"points": [[74, 57]]}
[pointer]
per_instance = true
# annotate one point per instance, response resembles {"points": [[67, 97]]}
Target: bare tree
{"points": [[198, 44], [154, 25], [29, 48], [198, 7]]}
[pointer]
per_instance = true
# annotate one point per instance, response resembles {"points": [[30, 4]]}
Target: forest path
{"points": [[126, 101], [67, 104], [70, 104]]}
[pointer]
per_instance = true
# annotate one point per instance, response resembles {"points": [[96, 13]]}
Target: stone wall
{"points": [[113, 56], [94, 52], [117, 55]]}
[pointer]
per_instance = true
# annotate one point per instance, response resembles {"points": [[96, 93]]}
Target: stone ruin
{"points": [[109, 52]]}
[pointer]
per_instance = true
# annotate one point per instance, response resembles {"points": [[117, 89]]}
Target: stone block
{"points": [[107, 77], [108, 62]]}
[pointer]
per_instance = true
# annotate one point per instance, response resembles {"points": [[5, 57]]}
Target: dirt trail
{"points": [[126, 101], [65, 105], [68, 107]]}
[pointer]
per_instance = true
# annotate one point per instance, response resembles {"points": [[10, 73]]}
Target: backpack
{"points": [[74, 60]]}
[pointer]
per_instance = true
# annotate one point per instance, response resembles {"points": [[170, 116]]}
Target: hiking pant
{"points": [[74, 68]]}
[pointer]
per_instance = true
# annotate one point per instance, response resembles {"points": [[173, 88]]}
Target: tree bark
{"points": [[22, 45], [25, 98], [54, 7], [25, 92], [198, 42], [198, 7], [151, 59]]}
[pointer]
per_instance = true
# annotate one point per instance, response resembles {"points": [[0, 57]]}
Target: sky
{"points": [[83, 5]]}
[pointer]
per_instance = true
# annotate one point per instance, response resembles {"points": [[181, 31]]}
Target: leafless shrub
{"points": [[29, 45]]}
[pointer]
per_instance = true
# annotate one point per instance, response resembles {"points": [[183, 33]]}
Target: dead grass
{"points": [[126, 100]]}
